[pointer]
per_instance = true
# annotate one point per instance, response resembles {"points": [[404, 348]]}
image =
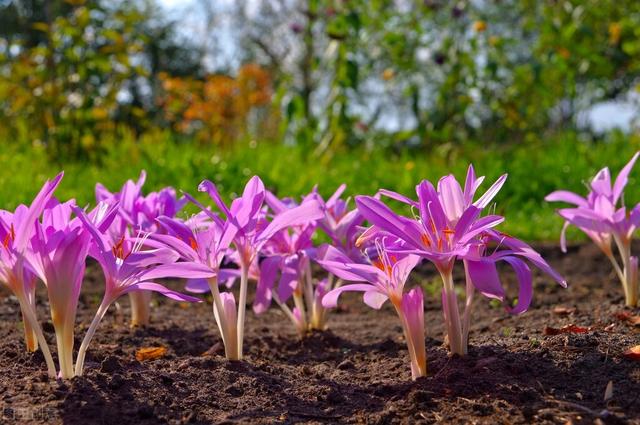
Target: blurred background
{"points": [[374, 93]]}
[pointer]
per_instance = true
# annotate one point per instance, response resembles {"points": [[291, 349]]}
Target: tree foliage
{"points": [[323, 73]]}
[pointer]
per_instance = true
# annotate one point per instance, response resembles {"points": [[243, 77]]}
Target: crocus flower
{"points": [[288, 254], [16, 232], [448, 227], [137, 212], [22, 283], [601, 218], [207, 246], [246, 215], [128, 268], [340, 223], [384, 279], [60, 248]]}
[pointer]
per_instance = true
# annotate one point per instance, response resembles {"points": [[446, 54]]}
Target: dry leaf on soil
{"points": [[150, 353], [633, 353], [564, 311], [625, 316], [568, 329]]}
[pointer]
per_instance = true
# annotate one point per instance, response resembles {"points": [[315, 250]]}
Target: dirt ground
{"points": [[357, 372]]}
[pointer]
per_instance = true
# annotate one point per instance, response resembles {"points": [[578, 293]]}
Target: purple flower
{"points": [[412, 307], [383, 279], [601, 218], [137, 212], [448, 227], [288, 254], [251, 232], [60, 248], [340, 223], [16, 232], [128, 268]]}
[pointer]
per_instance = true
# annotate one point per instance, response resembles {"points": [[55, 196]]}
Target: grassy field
{"points": [[534, 170]]}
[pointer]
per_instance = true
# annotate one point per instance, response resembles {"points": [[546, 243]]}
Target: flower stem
{"points": [[629, 272], [298, 301], [30, 337], [616, 267], [64, 341], [414, 336], [140, 308], [102, 310], [452, 315], [466, 317], [228, 337], [31, 319], [308, 290], [242, 306], [287, 311]]}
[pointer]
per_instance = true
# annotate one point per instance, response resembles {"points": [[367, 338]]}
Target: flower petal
{"points": [[305, 213], [566, 196], [25, 228], [268, 273], [374, 299], [623, 178], [451, 197], [163, 290], [484, 276], [525, 293], [485, 199], [197, 286], [185, 269], [330, 300], [398, 197], [383, 217], [212, 191]]}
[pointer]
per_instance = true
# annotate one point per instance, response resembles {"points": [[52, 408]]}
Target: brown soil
{"points": [[358, 372]]}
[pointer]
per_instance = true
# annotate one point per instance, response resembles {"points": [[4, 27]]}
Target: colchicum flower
{"points": [[288, 254], [385, 278], [128, 268], [600, 217], [16, 232], [448, 227], [251, 232], [138, 213], [60, 249], [207, 245]]}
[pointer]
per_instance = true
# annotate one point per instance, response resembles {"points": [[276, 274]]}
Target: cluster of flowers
{"points": [[603, 217], [138, 239]]}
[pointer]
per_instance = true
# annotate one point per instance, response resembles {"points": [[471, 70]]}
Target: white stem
{"points": [[299, 303], [330, 278], [629, 281], [308, 289], [616, 267], [30, 317], [287, 311], [242, 305], [452, 315], [64, 341], [102, 310], [338, 283], [30, 338], [229, 341], [466, 317], [140, 308]]}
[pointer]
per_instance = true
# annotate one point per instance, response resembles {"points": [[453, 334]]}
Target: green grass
{"points": [[534, 171]]}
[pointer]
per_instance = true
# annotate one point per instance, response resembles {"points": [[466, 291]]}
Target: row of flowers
{"points": [[138, 239]]}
